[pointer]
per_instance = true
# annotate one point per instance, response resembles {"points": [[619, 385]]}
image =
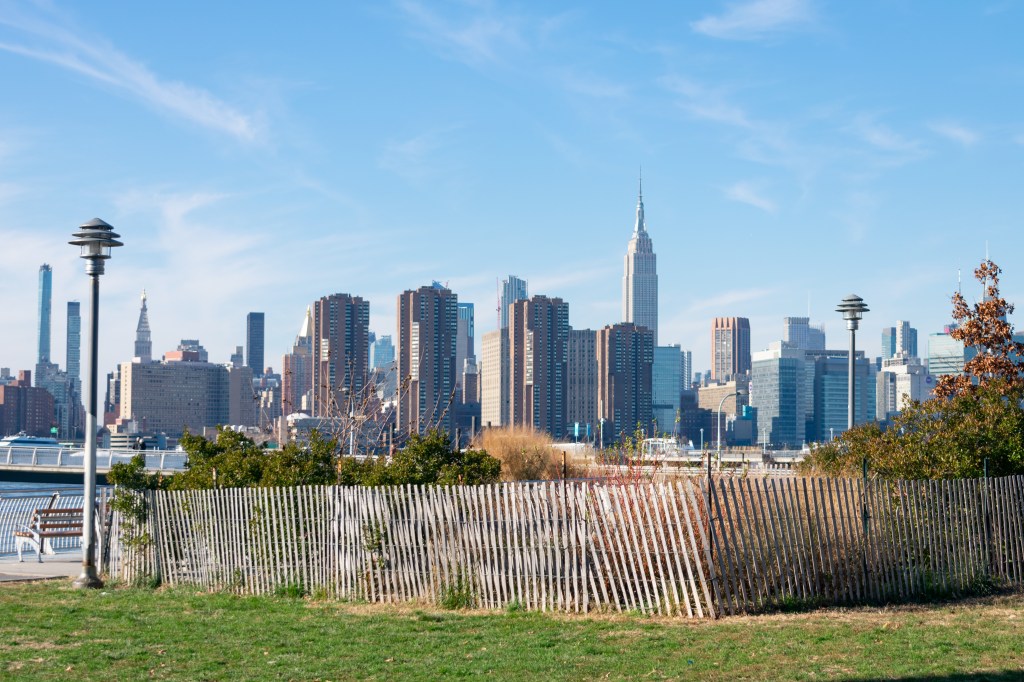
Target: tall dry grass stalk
{"points": [[525, 453]]}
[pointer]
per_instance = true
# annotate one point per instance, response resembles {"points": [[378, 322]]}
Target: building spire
{"points": [[306, 330], [143, 340], [640, 227]]}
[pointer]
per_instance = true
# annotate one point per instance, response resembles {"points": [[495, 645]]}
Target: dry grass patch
{"points": [[525, 453]]}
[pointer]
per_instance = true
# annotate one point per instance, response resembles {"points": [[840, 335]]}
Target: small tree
{"points": [[984, 326], [975, 416]]}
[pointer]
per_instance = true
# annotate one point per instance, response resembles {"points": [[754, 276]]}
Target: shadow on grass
{"points": [[1002, 676]]}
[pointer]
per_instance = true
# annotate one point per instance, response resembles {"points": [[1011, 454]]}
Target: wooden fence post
{"points": [[987, 519], [864, 518]]}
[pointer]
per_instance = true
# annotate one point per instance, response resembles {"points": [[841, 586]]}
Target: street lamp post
{"points": [[718, 418], [853, 308], [96, 238]]}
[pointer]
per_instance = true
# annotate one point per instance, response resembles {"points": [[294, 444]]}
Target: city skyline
{"points": [[488, 140]]}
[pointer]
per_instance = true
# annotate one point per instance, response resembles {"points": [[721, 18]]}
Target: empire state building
{"points": [[640, 277]]}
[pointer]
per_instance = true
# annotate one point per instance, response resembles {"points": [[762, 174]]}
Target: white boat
{"points": [[659, 449], [23, 440]]}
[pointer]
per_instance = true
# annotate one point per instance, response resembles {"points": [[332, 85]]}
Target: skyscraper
{"points": [[383, 367], [686, 357], [899, 339], [427, 331], [45, 301], [465, 348], [831, 392], [888, 342], [581, 369], [383, 352], [800, 334], [640, 276], [538, 333], [778, 389], [512, 289], [901, 380], [666, 387], [183, 392], [254, 343], [906, 339], [494, 379], [340, 347], [74, 346], [947, 355], [730, 347], [625, 359], [297, 370], [143, 341]]}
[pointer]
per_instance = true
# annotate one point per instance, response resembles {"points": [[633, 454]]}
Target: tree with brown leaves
{"points": [[984, 326], [975, 416]]}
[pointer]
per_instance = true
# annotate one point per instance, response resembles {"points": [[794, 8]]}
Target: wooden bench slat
{"points": [[66, 522]]}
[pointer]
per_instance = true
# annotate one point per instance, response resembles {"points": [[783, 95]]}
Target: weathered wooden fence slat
{"points": [[693, 547]]}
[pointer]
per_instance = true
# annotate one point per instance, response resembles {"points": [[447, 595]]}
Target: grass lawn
{"points": [[50, 631]]}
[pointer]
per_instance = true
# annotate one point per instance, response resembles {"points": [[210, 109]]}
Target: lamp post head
{"points": [[96, 238], [853, 308]]}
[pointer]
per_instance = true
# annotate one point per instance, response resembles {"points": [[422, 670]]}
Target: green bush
{"points": [[235, 461], [939, 438]]}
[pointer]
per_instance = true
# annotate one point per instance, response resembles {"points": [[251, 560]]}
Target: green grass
{"points": [[50, 631]]}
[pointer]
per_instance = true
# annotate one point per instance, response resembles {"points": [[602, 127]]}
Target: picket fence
{"points": [[687, 547]]}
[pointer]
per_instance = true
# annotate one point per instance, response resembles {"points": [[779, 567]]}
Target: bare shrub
{"points": [[525, 453]]}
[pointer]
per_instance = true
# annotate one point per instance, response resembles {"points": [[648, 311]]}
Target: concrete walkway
{"points": [[62, 565]]}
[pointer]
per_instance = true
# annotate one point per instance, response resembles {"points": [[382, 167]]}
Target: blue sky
{"points": [[793, 151]]}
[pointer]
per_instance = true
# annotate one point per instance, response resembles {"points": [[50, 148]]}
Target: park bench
{"points": [[49, 523]]}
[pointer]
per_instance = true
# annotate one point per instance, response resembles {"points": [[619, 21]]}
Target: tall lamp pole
{"points": [[853, 308], [718, 418], [96, 238]]}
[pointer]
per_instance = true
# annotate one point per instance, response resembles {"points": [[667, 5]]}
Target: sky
{"points": [[258, 157]]}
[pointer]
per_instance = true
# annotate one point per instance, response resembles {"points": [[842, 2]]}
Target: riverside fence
{"points": [[688, 547]]}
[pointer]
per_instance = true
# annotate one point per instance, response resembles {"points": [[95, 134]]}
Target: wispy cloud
{"points": [[52, 40], [760, 140], [705, 103], [10, 191], [749, 193], [882, 137], [415, 158], [729, 299], [478, 39], [858, 214], [550, 283], [757, 19], [998, 8], [592, 86], [955, 132], [885, 146]]}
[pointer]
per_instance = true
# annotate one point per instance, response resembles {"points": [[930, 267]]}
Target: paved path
{"points": [[63, 565]]}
